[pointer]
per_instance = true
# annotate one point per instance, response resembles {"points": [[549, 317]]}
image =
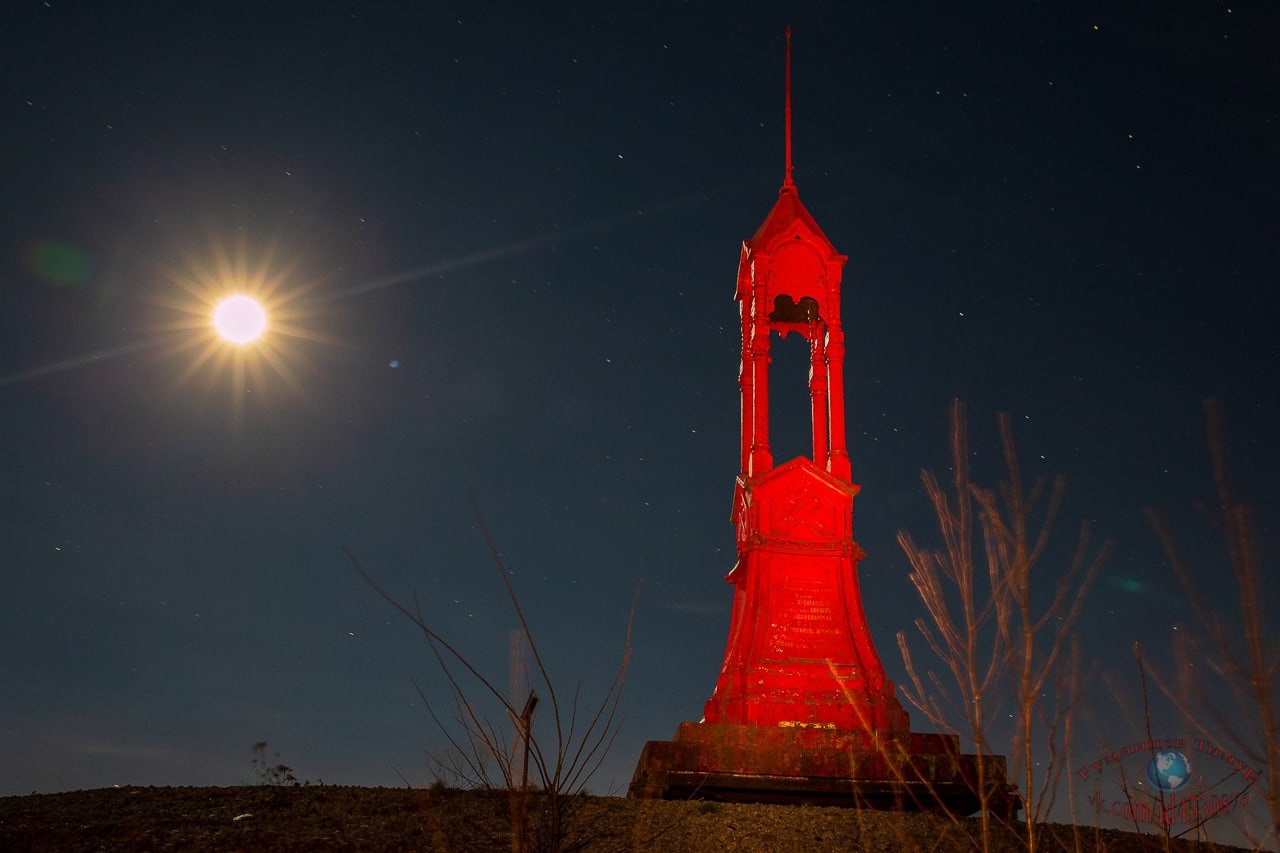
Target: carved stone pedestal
{"points": [[820, 766]]}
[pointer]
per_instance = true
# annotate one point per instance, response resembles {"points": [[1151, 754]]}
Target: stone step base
{"points": [[859, 769]]}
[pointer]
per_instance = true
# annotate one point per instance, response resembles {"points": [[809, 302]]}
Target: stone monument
{"points": [[802, 709]]}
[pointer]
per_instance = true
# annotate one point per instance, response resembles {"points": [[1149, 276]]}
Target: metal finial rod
{"points": [[787, 182]]}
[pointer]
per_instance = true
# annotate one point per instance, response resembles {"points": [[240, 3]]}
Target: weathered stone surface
{"points": [[821, 766]]}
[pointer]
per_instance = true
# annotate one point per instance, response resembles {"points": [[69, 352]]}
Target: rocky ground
{"points": [[323, 818]]}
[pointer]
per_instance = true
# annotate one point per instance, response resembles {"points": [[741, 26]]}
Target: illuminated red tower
{"points": [[799, 651], [802, 709]]}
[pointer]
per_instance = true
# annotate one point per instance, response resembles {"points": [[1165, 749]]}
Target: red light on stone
{"points": [[802, 708]]}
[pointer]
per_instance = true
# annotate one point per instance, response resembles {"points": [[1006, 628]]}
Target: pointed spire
{"points": [[787, 182], [788, 209]]}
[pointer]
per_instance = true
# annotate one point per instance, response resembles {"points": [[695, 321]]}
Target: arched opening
{"points": [[790, 409]]}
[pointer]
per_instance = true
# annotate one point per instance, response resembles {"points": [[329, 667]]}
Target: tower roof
{"points": [[788, 210]]}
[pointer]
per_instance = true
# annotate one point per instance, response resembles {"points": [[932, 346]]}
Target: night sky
{"points": [[499, 245]]}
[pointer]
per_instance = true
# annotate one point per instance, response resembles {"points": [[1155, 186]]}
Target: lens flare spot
{"points": [[60, 263], [1128, 583]]}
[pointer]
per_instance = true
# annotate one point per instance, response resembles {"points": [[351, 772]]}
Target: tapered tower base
{"points": [[821, 766]]}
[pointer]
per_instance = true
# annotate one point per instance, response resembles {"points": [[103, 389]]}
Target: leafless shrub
{"points": [[983, 626], [278, 774], [1241, 652], [545, 777]]}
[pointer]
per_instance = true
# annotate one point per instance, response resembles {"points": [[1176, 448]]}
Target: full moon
{"points": [[240, 319]]}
